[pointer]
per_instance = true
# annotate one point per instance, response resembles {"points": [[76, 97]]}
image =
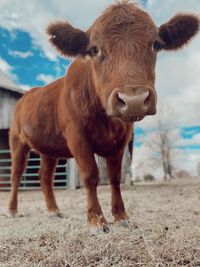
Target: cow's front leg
{"points": [[114, 173], [89, 174], [90, 177]]}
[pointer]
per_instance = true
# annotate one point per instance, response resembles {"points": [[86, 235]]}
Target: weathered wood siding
{"points": [[8, 101], [4, 146]]}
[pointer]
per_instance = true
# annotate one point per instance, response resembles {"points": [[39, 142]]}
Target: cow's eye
{"points": [[157, 46], [94, 51]]}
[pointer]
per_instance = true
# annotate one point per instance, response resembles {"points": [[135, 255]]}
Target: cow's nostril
{"points": [[147, 100], [120, 101]]}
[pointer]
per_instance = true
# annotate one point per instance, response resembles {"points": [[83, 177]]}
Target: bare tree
{"points": [[162, 143]]}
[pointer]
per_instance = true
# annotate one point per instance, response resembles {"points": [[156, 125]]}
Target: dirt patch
{"points": [[165, 229]]}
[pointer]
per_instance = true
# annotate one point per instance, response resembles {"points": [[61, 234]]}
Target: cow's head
{"points": [[122, 46]]}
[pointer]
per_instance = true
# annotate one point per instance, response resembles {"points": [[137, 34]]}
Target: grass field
{"points": [[164, 231]]}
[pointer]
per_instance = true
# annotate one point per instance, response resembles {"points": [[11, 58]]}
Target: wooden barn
{"points": [[9, 94]]}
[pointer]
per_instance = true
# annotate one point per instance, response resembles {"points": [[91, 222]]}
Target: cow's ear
{"points": [[178, 31], [67, 39]]}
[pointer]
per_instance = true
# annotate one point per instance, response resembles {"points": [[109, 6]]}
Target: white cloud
{"points": [[5, 67], [20, 54], [162, 11], [7, 77], [177, 73], [25, 87], [46, 79], [195, 140], [34, 16], [188, 159]]}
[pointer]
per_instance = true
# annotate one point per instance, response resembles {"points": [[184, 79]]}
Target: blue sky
{"points": [[186, 133], [27, 57], [27, 67]]}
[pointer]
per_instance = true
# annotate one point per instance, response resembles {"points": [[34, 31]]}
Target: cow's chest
{"points": [[108, 138]]}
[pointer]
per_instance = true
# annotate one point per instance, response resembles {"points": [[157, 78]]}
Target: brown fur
{"points": [[178, 31], [69, 40], [70, 118]]}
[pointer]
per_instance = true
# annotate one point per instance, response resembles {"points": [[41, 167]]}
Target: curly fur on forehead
{"points": [[121, 13], [123, 25], [122, 1]]}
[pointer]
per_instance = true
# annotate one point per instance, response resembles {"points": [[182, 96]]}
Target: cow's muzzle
{"points": [[132, 103]]}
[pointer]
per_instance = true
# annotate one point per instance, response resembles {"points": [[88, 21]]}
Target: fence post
{"points": [[126, 167], [73, 179]]}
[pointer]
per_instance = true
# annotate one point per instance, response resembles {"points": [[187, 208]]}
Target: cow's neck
{"points": [[82, 92]]}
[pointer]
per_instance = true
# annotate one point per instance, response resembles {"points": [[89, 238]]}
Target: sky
{"points": [[27, 57]]}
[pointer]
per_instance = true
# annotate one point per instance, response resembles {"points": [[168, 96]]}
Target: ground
{"points": [[164, 231]]}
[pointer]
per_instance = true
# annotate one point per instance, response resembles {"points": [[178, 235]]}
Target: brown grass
{"points": [[165, 230]]}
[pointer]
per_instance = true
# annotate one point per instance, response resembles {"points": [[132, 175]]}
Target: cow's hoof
{"points": [[123, 223], [105, 228], [99, 229], [55, 214], [60, 215], [14, 214]]}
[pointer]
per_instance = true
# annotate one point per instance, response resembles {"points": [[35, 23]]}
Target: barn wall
{"points": [[4, 139], [4, 146], [8, 101]]}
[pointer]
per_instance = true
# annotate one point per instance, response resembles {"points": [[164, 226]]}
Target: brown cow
{"points": [[108, 86]]}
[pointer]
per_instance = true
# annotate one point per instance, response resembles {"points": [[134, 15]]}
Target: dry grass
{"points": [[165, 230]]}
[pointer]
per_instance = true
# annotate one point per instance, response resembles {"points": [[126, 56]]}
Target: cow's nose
{"points": [[129, 103], [132, 102]]}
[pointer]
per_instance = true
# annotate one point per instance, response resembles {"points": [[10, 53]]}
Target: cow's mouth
{"points": [[129, 118], [132, 118]]}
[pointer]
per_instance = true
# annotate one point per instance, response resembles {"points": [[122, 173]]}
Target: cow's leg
{"points": [[19, 154], [89, 174], [46, 173], [114, 173]]}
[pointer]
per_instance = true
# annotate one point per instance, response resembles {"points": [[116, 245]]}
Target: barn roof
{"points": [[6, 83]]}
